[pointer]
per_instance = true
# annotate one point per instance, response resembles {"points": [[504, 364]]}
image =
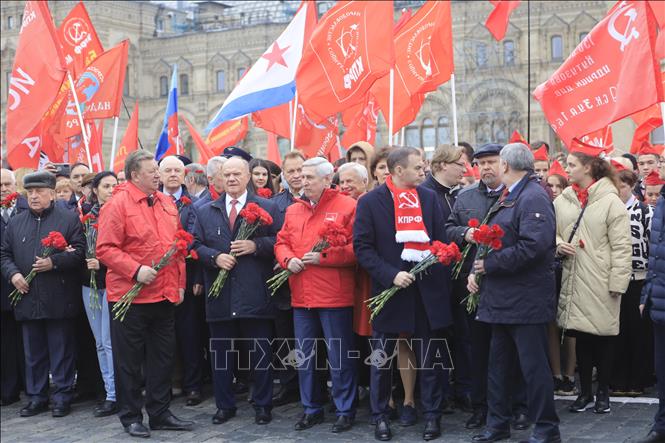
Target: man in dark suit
{"points": [[517, 298], [12, 352], [243, 309], [422, 307]]}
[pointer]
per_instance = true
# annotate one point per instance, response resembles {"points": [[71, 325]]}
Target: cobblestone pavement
{"points": [[629, 420]]}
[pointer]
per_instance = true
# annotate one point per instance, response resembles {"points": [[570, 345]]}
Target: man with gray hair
{"points": [[517, 298], [353, 179], [196, 179], [322, 291]]}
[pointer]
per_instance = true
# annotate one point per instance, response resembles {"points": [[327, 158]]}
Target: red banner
{"points": [[497, 21], [275, 120], [350, 48], [227, 134], [601, 138], [360, 122], [80, 44], [38, 72], [130, 141], [205, 153], [611, 74]]}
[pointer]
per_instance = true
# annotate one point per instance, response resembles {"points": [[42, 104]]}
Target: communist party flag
{"points": [[601, 138], [80, 43], [350, 48], [205, 153], [98, 89], [129, 141], [37, 74], [360, 122], [317, 139], [95, 144], [226, 134], [611, 74], [424, 60], [497, 21], [76, 150]]}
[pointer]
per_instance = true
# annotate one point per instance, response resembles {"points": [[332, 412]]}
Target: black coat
{"points": [[447, 196], [378, 253], [245, 294], [7, 287], [55, 294], [518, 286], [653, 293]]}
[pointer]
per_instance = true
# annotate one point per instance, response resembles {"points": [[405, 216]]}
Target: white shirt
{"points": [[241, 203], [176, 195]]}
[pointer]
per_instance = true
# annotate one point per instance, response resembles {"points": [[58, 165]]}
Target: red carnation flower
{"points": [[199, 171], [581, 244], [496, 244], [8, 201], [183, 235], [264, 192], [193, 254], [474, 223], [186, 201]]}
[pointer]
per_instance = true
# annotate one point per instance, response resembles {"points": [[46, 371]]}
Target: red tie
{"points": [[233, 214]]}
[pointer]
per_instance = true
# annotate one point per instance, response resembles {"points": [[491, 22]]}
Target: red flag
{"points": [[316, 140], [350, 48], [129, 141], [516, 137], [275, 120], [76, 150], [273, 149], [360, 122], [601, 138], [424, 61], [497, 21], [80, 44], [95, 144], [646, 122], [99, 90], [227, 134], [38, 72], [658, 9], [611, 74], [205, 153]]}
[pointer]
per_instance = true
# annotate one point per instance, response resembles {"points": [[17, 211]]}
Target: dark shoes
{"points": [[581, 404], [262, 416], [285, 396], [432, 430], [105, 409], [61, 410], [602, 405], [342, 424], [308, 420], [222, 416], [170, 422], [477, 420], [193, 398], [564, 386], [491, 435], [408, 417], [653, 437], [34, 408], [382, 430], [137, 430], [520, 422]]}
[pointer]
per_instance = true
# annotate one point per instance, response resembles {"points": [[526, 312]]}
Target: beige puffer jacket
{"points": [[602, 266]]}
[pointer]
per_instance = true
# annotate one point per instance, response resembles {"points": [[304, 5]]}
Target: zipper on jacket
{"points": [[37, 243]]}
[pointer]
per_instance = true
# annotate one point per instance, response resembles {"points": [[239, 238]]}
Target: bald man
{"points": [[243, 311]]}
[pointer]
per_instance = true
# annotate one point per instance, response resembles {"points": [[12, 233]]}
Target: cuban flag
{"points": [[271, 81], [169, 139]]}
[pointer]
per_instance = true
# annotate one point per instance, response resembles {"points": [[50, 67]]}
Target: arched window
{"points": [[429, 134], [481, 55], [509, 53], [163, 86], [184, 84], [443, 131], [557, 48], [221, 81]]}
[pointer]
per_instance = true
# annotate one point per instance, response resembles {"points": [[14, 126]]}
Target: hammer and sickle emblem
{"points": [[76, 32], [407, 200], [630, 32]]}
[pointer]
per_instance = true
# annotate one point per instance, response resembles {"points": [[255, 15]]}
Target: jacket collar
{"points": [[326, 196], [441, 187], [45, 213], [136, 194]]}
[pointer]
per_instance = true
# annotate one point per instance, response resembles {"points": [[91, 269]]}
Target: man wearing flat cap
{"points": [[51, 301]]}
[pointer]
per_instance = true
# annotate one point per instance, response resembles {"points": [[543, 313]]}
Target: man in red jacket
{"points": [[322, 291], [136, 228]]}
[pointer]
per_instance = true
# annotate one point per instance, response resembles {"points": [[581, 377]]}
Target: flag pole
{"points": [[391, 110], [293, 118], [115, 138], [78, 111], [401, 137], [454, 106]]}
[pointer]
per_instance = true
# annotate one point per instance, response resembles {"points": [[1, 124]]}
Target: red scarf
{"points": [[409, 226], [582, 194], [213, 193]]}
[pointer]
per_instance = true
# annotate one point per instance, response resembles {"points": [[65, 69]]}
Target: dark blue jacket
{"points": [[378, 253], [518, 286], [282, 297], [7, 287], [245, 293], [653, 294]]}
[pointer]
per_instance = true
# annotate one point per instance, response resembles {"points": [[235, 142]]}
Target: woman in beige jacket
{"points": [[596, 270]]}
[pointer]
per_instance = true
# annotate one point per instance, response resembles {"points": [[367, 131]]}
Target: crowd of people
{"points": [[571, 301]]}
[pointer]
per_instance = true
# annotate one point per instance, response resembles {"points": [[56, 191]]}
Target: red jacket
{"points": [[132, 234], [330, 284]]}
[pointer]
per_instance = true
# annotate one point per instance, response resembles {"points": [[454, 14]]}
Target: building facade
{"points": [[213, 43]]}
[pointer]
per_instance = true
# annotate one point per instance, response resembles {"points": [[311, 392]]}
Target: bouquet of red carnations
{"points": [[52, 242], [90, 229], [252, 216], [332, 235], [8, 201], [179, 247], [439, 253], [488, 238]]}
